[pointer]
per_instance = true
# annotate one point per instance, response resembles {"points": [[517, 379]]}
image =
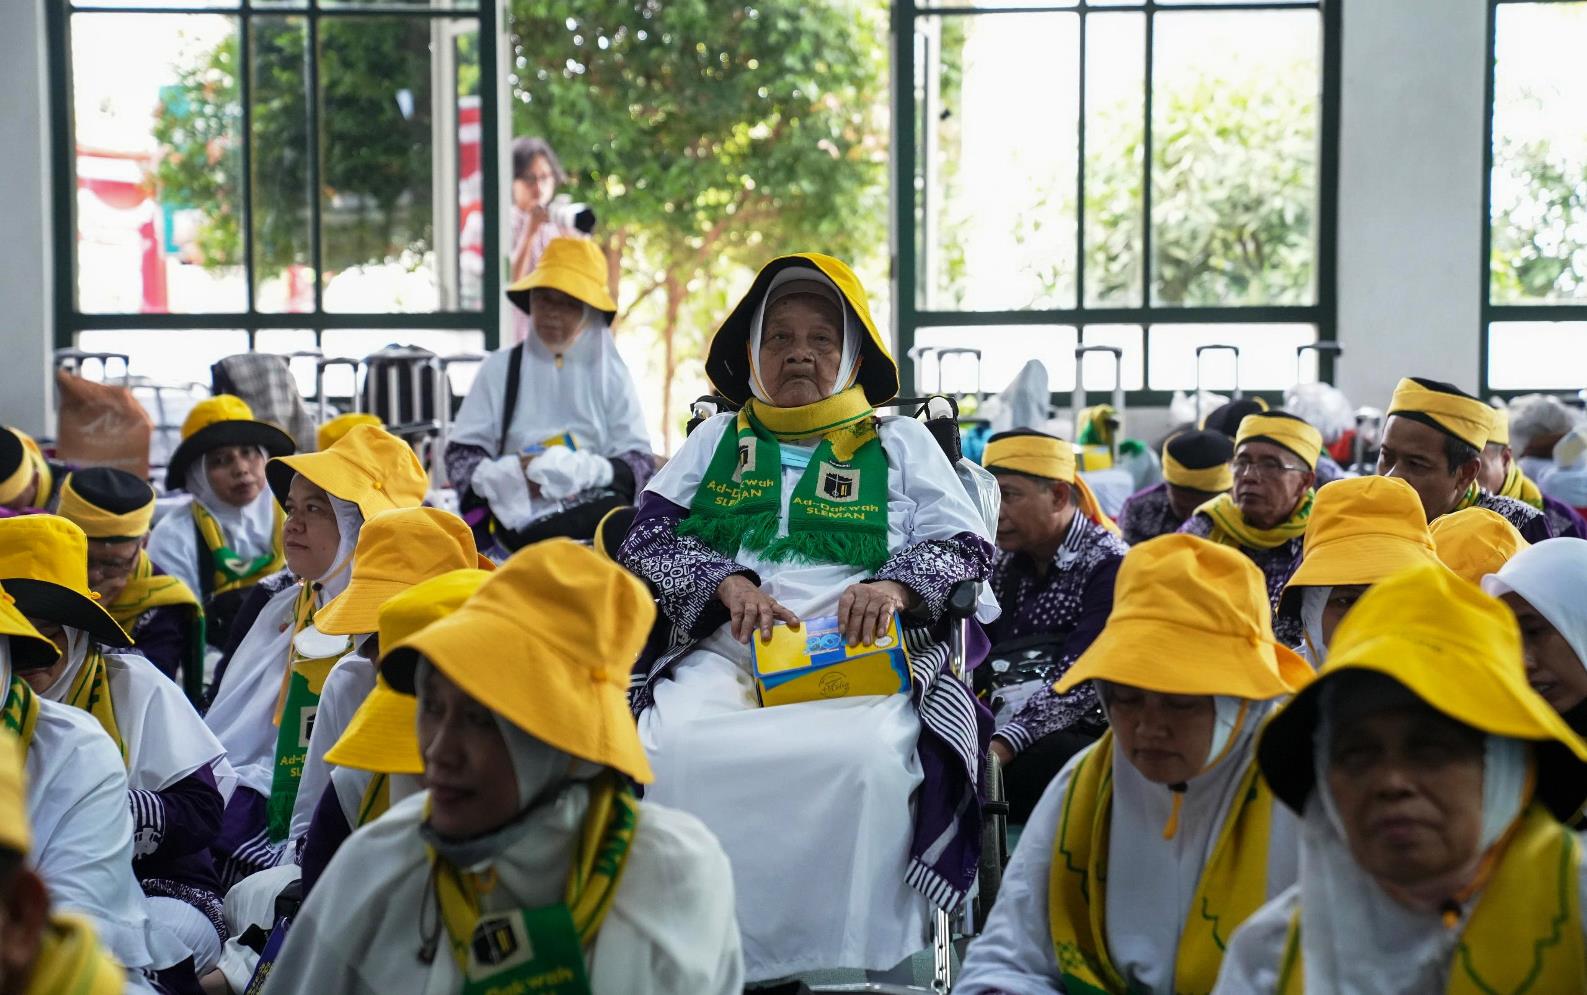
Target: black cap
{"points": [[1201, 450]]}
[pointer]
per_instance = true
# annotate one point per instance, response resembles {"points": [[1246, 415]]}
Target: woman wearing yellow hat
{"points": [[45, 952], [27, 478], [1431, 782], [802, 506], [176, 771], [1152, 845], [1361, 530], [266, 698], [78, 813], [230, 537], [528, 864], [1542, 585], [551, 436]]}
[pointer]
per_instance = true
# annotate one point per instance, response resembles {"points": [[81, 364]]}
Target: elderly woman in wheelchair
{"points": [[803, 550]]}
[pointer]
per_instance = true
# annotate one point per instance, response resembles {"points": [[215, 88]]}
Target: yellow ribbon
{"points": [[1051, 459], [1466, 418], [97, 523], [1213, 479]]}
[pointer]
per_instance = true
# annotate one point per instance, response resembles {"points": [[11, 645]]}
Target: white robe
{"points": [[590, 395], [812, 802], [1151, 881], [346, 687], [249, 531], [670, 930]]}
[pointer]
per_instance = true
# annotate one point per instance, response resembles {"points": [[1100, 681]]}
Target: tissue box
{"points": [[565, 439], [813, 663]]}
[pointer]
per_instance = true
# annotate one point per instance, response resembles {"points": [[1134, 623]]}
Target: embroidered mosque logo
{"points": [[840, 483], [746, 461], [497, 941]]}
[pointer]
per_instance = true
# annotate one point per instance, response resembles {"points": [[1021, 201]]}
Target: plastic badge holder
{"points": [[814, 663], [535, 449]]}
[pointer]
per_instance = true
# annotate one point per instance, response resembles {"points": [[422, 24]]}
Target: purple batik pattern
{"points": [[1563, 520], [682, 571], [1278, 565], [1148, 514], [932, 569], [1072, 601], [1531, 523]]}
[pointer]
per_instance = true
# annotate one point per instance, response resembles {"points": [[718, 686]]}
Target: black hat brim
{"points": [[224, 433], [40, 599]]}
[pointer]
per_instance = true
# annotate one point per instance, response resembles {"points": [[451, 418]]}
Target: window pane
{"points": [[1005, 349], [283, 258], [218, 4], [359, 343], [1537, 355], [1267, 356], [1539, 207], [1098, 373], [1234, 132], [1115, 124], [377, 164], [158, 163], [433, 4], [168, 357], [997, 222]]}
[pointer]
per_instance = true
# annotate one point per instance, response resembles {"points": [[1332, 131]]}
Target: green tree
{"points": [[709, 136], [1539, 245]]}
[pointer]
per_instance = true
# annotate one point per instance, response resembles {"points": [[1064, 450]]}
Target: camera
{"points": [[567, 214]]}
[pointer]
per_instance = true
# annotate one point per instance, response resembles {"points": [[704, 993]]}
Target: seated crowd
{"points": [[1282, 727]]}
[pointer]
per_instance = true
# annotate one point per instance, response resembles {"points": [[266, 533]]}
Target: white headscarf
{"points": [[1551, 576], [249, 530], [1355, 938], [1312, 602], [848, 365]]}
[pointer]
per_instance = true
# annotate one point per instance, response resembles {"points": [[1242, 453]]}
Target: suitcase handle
{"points": [[1077, 397], [1332, 349], [1236, 394]]}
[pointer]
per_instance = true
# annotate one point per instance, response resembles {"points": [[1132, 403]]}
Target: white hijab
{"points": [[1315, 646], [241, 716], [1355, 938], [1551, 576], [848, 365], [249, 530]]}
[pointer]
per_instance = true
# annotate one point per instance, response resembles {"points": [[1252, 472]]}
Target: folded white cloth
{"points": [[561, 472], [501, 482]]}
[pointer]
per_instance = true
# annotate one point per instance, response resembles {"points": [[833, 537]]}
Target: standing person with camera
{"points": [[538, 215]]}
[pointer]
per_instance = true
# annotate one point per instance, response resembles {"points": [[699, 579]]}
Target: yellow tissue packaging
{"points": [[814, 663], [565, 439]]}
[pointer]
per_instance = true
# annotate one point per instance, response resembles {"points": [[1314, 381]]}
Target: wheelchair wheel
{"points": [[994, 839]]}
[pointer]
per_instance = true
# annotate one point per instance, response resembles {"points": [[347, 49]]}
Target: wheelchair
{"points": [[950, 928]]}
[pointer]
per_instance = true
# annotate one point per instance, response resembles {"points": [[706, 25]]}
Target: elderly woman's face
{"points": [[1408, 785], [467, 766], [1164, 736], [801, 348], [310, 536]]}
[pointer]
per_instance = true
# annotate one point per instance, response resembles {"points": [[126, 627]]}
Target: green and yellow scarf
{"points": [[90, 691], [604, 843], [232, 572], [1232, 885], [146, 591], [838, 513], [1230, 528], [21, 712], [1517, 485]]}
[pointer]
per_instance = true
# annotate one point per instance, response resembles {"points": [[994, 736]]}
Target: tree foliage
{"points": [[1539, 247]]}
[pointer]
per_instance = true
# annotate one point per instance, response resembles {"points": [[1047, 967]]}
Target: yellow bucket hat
{"points": [[1499, 432], [332, 431], [396, 550], [1361, 530], [1475, 542], [1212, 635], [15, 834], [727, 362], [574, 266], [107, 504], [368, 466], [222, 420], [1466, 418], [44, 566], [29, 649], [383, 736], [1456, 649], [576, 623]]}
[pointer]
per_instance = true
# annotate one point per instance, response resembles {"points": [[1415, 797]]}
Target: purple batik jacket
{"points": [[1072, 599], [1148, 514], [1533, 525], [1278, 565], [684, 574]]}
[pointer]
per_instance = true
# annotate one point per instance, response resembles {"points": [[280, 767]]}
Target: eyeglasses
{"points": [[1262, 468], [107, 566]]}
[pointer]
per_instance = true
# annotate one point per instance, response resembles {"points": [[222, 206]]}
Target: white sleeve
{"points": [[346, 687], [1251, 964], [173, 547], [626, 429], [942, 508], [1014, 954], [478, 421], [680, 478]]}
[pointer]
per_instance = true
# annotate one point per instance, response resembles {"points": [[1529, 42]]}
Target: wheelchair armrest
{"points": [[962, 599]]}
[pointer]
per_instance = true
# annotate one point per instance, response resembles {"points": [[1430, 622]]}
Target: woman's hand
{"points": [[865, 609], [752, 608]]}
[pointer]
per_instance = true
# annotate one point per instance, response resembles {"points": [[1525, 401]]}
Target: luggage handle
{"points": [[1236, 394], [938, 352], [320, 366], [1077, 397], [1331, 349], [73, 360]]}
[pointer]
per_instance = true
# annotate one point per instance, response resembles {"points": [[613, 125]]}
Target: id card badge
{"points": [[526, 952]]}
